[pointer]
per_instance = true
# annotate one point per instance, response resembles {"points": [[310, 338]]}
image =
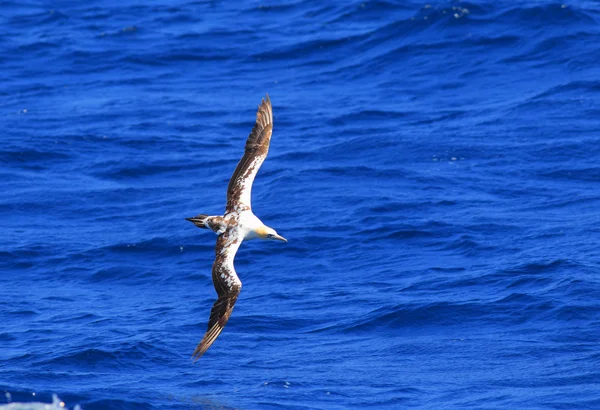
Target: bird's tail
{"points": [[199, 221]]}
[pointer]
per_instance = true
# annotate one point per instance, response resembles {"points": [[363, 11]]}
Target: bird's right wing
{"points": [[227, 284], [257, 147]]}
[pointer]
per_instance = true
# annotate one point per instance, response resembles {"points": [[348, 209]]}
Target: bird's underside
{"points": [[237, 224]]}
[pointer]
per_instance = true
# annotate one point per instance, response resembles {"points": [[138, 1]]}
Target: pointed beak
{"points": [[280, 238]]}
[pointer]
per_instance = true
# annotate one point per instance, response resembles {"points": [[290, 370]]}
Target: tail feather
{"points": [[199, 220]]}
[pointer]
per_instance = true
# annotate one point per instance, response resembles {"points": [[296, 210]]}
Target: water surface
{"points": [[433, 165]]}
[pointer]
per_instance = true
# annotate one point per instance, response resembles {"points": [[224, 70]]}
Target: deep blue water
{"points": [[433, 165]]}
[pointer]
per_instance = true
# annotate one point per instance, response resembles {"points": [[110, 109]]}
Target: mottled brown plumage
{"points": [[226, 284], [257, 148], [238, 224]]}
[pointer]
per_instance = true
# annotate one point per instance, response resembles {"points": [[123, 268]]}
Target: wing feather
{"points": [[228, 287], [257, 148]]}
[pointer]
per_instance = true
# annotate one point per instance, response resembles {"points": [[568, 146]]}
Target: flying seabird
{"points": [[237, 224]]}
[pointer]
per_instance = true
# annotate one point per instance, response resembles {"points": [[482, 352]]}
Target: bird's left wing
{"points": [[257, 148], [227, 284]]}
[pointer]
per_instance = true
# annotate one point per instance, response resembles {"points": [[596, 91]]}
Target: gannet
{"points": [[237, 224]]}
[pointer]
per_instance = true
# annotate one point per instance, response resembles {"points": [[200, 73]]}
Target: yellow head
{"points": [[264, 232]]}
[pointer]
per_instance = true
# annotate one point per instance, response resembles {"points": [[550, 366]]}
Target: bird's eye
{"points": [[270, 235]]}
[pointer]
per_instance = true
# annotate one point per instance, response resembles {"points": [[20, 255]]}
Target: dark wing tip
{"points": [[264, 115], [207, 341], [219, 315]]}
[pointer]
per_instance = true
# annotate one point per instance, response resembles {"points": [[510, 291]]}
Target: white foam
{"points": [[56, 404]]}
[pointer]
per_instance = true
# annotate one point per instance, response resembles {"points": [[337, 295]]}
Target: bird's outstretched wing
{"points": [[257, 148], [227, 284]]}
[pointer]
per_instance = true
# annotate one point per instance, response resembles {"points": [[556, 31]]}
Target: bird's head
{"points": [[264, 232]]}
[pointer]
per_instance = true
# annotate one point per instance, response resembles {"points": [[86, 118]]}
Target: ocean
{"points": [[434, 167]]}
